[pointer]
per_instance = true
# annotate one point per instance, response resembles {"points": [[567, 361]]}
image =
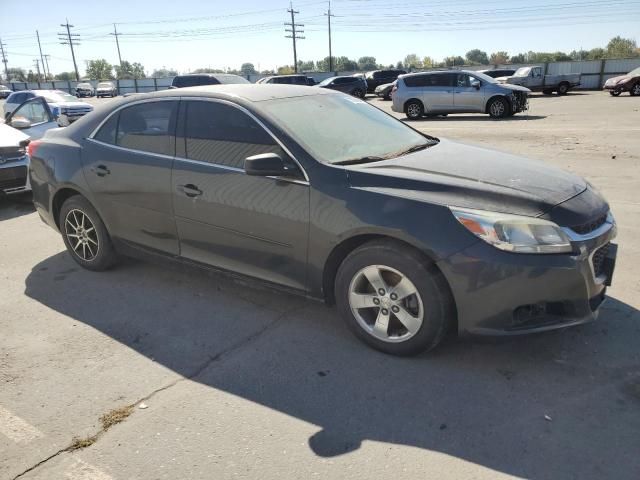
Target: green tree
{"points": [[519, 58], [453, 61], [412, 61], [345, 64], [286, 70], [500, 57], [596, 54], [99, 70], [32, 77], [164, 72], [427, 62], [248, 69], [66, 76], [367, 63], [477, 56], [399, 64], [619, 47], [308, 66], [208, 70], [129, 70], [17, 75]]}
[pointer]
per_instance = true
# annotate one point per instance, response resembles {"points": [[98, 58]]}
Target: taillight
{"points": [[32, 147]]}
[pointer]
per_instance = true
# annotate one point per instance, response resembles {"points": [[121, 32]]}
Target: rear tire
{"points": [[358, 93], [563, 88], [414, 109], [85, 235], [406, 308]]}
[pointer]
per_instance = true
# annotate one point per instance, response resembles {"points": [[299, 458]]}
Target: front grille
{"points": [[520, 102], [589, 226], [598, 260], [11, 154], [14, 177], [76, 111]]}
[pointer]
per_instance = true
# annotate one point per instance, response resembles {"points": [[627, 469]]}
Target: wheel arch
{"points": [[413, 99], [62, 195], [493, 97]]}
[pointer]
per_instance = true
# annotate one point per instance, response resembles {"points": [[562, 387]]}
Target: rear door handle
{"points": [[190, 190], [101, 170]]}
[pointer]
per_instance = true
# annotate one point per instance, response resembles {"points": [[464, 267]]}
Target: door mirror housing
{"points": [[475, 84], [265, 165], [20, 123]]}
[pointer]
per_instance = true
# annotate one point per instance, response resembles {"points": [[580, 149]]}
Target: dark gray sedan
{"points": [[409, 235], [356, 86]]}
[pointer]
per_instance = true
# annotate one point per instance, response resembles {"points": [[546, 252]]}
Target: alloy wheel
{"points": [[385, 303], [81, 234], [413, 110], [497, 109]]}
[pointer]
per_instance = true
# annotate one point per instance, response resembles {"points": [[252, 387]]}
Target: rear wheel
{"points": [[635, 90], [498, 108], [358, 93], [414, 109], [563, 88], [392, 299], [85, 235], [547, 91]]}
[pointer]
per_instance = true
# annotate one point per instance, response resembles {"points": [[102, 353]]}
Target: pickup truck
{"points": [[534, 79]]}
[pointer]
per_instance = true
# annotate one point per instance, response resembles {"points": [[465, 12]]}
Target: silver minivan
{"points": [[456, 91]]}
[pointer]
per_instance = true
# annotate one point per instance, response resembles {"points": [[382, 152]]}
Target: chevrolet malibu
{"points": [[410, 236]]}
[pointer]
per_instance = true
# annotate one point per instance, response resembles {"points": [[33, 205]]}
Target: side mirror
{"points": [[476, 85], [265, 165], [20, 123]]}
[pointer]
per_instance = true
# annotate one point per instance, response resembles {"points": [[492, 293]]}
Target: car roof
{"points": [[244, 91], [471, 72]]}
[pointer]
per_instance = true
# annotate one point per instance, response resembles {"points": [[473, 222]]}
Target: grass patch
{"points": [[78, 443], [115, 416]]}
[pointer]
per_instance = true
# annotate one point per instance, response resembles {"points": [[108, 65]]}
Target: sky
{"points": [[189, 34]]}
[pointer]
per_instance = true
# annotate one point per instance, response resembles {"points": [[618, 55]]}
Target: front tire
{"points": [[615, 93], [414, 109], [358, 93], [563, 88], [498, 108], [85, 235], [635, 90], [392, 299]]}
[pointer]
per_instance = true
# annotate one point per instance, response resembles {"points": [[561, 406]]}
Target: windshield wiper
{"points": [[415, 148], [355, 161]]}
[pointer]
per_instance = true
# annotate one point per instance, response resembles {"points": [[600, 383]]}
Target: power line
{"points": [[294, 34], [71, 40]]}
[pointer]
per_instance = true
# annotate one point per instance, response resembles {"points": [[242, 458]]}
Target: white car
{"points": [[65, 108], [29, 121], [106, 89]]}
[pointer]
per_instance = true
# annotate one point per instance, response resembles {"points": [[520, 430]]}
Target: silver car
{"points": [[456, 91]]}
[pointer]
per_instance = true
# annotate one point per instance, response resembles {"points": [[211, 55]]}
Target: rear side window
{"points": [[344, 81], [107, 132], [148, 127], [222, 134], [416, 81], [16, 98]]}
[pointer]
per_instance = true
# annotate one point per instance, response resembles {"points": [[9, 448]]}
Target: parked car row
{"points": [[5, 91], [65, 107]]}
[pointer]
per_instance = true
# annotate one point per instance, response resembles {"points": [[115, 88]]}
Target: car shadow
{"points": [[16, 205], [537, 95], [555, 405]]}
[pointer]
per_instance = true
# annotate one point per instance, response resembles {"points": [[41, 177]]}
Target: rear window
{"points": [[148, 127]]}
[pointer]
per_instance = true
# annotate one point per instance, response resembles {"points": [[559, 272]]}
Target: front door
{"points": [[257, 226], [536, 77], [127, 165], [468, 94], [33, 118]]}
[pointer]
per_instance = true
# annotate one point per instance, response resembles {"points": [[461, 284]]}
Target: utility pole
{"points": [[116, 34], [46, 59], [71, 40], [4, 59], [294, 34], [41, 56], [329, 15], [36, 63]]}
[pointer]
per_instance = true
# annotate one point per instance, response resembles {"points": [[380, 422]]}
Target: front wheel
{"points": [[563, 88], [635, 90], [358, 93], [615, 93], [414, 109], [85, 235], [498, 108], [392, 299]]}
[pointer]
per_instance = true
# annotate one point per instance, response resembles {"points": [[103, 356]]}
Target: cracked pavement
{"points": [[244, 382]]}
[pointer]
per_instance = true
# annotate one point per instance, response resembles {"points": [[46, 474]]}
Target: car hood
{"points": [[516, 88], [10, 137], [72, 104], [619, 79], [104, 88], [460, 175]]}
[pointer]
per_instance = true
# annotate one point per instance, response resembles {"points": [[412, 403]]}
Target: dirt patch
{"points": [[115, 416]]}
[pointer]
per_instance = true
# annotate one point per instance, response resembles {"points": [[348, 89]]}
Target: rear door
{"points": [[256, 226], [468, 93], [127, 164], [437, 93]]}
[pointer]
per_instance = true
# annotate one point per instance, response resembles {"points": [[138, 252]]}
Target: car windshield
{"points": [[105, 85], [522, 72], [58, 97], [326, 81], [227, 79], [634, 72], [484, 78], [84, 85], [342, 129]]}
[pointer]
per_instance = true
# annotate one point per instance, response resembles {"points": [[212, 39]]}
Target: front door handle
{"points": [[190, 190], [101, 170]]}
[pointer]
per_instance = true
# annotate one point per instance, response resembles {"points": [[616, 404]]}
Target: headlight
{"points": [[514, 233]]}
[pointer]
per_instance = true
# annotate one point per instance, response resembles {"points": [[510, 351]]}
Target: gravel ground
{"points": [[230, 380]]}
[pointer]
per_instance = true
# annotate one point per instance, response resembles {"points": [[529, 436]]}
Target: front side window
{"points": [[148, 127], [35, 112], [222, 134]]}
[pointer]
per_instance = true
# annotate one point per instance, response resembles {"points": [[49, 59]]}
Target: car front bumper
{"points": [[502, 293]]}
